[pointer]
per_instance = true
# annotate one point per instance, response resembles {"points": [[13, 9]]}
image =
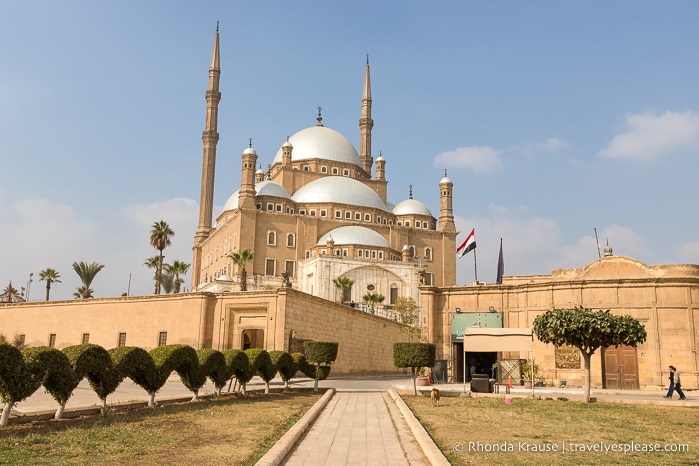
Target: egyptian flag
{"points": [[468, 245]]}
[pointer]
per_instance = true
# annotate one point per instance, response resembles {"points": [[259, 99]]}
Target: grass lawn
{"points": [[229, 430], [469, 430]]}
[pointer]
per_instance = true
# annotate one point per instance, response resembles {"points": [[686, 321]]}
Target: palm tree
{"points": [[344, 284], [87, 273], [240, 259], [166, 281], [176, 269], [152, 263], [160, 235], [372, 299], [50, 276]]}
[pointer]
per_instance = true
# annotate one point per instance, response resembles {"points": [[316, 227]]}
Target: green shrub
{"points": [[94, 363], [261, 364], [415, 356], [214, 366], [286, 367]]}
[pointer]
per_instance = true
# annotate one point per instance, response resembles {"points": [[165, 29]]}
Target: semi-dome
{"points": [[354, 235], [339, 190], [319, 142], [263, 188], [411, 207]]}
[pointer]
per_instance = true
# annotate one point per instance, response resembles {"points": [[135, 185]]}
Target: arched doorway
{"points": [[253, 338]]}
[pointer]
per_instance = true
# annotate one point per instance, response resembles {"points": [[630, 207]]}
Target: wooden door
{"points": [[620, 368]]}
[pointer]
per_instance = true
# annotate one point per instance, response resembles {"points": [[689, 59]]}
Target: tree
{"points": [[344, 284], [415, 356], [160, 235], [588, 330], [241, 259], [87, 273], [408, 312], [176, 269], [373, 299], [321, 354], [50, 276], [152, 263]]}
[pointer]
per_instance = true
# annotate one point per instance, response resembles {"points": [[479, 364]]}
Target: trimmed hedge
{"points": [[321, 354], [415, 356], [23, 372]]}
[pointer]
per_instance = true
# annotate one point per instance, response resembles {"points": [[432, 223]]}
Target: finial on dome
{"points": [[410, 196], [608, 249], [445, 173], [319, 119], [250, 143], [367, 58], [216, 27]]}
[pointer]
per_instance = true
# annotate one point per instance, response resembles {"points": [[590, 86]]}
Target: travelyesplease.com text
{"points": [[568, 447]]}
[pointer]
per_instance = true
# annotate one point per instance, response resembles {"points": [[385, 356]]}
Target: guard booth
{"points": [[467, 363], [494, 340]]}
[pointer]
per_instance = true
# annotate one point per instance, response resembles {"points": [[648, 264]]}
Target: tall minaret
{"points": [[366, 123], [210, 138], [446, 213]]}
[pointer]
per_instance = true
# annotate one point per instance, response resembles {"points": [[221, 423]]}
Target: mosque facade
{"points": [[320, 211]]}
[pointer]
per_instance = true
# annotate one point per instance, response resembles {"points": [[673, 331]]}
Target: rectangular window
{"points": [[312, 213], [358, 216], [302, 211], [338, 214], [381, 255], [367, 218], [345, 172], [269, 267], [428, 278], [290, 240], [324, 169], [323, 213], [348, 215], [121, 341], [407, 223], [290, 266], [86, 338], [52, 340], [162, 338], [393, 295], [335, 171], [279, 207], [360, 253], [373, 254], [424, 225], [270, 206], [306, 168]]}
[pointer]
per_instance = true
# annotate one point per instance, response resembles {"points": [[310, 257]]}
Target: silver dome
{"points": [[411, 207], [339, 190], [319, 142], [354, 235]]}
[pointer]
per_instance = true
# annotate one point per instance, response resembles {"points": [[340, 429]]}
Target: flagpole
{"points": [[475, 267]]}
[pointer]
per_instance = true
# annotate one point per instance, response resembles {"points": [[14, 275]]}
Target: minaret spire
{"points": [[210, 139], [366, 123]]}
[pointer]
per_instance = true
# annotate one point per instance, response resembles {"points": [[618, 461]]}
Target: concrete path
{"points": [[358, 428]]}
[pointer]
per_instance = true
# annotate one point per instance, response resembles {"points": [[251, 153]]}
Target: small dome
{"points": [[445, 180], [338, 190], [354, 235], [263, 188], [320, 142], [270, 188], [411, 207], [249, 151]]}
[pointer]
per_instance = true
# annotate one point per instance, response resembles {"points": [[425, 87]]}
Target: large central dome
{"points": [[319, 142], [338, 190]]}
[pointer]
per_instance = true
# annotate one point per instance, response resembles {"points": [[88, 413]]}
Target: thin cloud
{"points": [[478, 159], [650, 137]]}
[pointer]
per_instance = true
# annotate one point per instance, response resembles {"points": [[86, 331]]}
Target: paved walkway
{"points": [[358, 428]]}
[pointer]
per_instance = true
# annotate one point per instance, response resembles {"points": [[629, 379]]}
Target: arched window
{"points": [[290, 240]]}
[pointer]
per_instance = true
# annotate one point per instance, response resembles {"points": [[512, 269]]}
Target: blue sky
{"points": [[552, 119]]}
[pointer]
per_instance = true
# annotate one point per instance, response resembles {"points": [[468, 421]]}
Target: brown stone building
{"points": [[665, 298]]}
